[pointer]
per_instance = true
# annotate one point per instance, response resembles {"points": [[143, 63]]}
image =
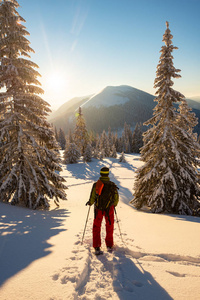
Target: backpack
{"points": [[105, 192]]}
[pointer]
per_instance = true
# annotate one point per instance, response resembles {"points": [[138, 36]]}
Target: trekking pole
{"points": [[119, 226], [86, 224]]}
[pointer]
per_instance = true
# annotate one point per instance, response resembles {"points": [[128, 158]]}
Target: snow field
{"points": [[42, 256]]}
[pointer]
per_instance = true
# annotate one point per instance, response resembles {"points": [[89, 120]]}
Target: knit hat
{"points": [[104, 171]]}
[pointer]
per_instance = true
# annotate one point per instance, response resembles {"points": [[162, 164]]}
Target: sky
{"points": [[82, 46]]}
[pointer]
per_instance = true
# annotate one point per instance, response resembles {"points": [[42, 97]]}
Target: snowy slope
{"points": [[41, 255], [110, 96]]}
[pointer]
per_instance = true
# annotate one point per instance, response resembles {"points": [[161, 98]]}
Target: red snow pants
{"points": [[109, 227]]}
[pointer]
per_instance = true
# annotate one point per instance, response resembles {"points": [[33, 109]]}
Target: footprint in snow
{"points": [[55, 276]]}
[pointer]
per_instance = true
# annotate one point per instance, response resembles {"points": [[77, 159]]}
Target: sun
{"points": [[56, 82], [56, 87]]}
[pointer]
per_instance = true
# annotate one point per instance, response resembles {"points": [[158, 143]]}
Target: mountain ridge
{"points": [[111, 107]]}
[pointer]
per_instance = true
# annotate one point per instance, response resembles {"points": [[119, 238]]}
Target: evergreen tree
{"points": [[123, 142], [71, 154], [113, 152], [127, 138], [87, 156], [80, 133], [169, 179], [28, 160], [102, 154], [120, 144], [96, 151], [137, 139], [69, 138], [62, 139], [104, 144], [122, 157], [116, 141], [110, 138], [92, 138]]}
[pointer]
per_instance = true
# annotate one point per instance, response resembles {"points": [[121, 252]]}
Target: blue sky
{"points": [[81, 46]]}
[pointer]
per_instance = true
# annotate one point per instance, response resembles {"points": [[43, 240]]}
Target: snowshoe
{"points": [[98, 251], [110, 249]]}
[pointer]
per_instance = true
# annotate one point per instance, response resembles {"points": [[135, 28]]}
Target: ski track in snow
{"points": [[117, 275]]}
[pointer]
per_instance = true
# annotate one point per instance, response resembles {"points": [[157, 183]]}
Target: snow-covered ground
{"points": [[41, 255]]}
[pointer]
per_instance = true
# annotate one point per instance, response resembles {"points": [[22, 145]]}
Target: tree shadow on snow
{"points": [[131, 281], [24, 236], [91, 172], [125, 194], [185, 218], [88, 171]]}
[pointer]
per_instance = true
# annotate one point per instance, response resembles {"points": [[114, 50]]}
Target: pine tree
{"points": [[102, 154], [71, 154], [104, 144], [80, 132], [62, 139], [110, 138], [137, 139], [127, 138], [169, 179], [28, 157], [70, 137], [87, 156], [122, 157], [113, 152], [116, 141], [96, 151]]}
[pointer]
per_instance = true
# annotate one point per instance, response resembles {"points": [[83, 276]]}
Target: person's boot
{"points": [[98, 251], [110, 249]]}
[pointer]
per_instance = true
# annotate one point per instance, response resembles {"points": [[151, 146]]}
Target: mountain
{"points": [[67, 107], [195, 98], [193, 103], [111, 107]]}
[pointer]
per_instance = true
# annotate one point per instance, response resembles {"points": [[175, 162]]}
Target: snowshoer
{"points": [[104, 196]]}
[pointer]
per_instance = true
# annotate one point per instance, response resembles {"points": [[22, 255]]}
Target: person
{"points": [[104, 195]]}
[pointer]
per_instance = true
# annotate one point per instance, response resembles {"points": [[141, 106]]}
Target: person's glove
{"points": [[88, 203]]}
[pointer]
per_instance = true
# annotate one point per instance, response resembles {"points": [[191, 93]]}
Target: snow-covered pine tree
{"points": [[169, 178], [113, 152], [122, 157], [128, 138], [28, 157], [137, 139], [120, 146], [110, 138], [71, 154], [69, 138], [87, 156], [80, 132], [102, 154], [116, 141], [104, 144], [96, 150], [62, 139]]}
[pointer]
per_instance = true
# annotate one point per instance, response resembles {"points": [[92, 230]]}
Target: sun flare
{"points": [[56, 82]]}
